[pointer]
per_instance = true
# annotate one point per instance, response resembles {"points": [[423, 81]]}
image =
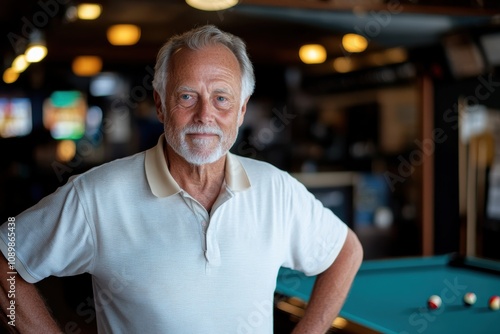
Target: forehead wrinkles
{"points": [[209, 61], [213, 87]]}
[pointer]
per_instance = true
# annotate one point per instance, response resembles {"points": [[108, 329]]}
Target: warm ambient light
{"points": [[35, 53], [396, 55], [20, 64], [212, 5], [86, 66], [343, 64], [354, 43], [88, 11], [36, 50], [10, 75], [340, 323], [124, 34], [66, 150], [387, 57], [312, 54]]}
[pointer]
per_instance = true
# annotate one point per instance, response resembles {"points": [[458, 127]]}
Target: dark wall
{"points": [[483, 90]]}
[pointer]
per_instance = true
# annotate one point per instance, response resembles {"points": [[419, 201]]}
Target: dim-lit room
{"points": [[386, 111]]}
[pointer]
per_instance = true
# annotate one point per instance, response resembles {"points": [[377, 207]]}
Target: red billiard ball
{"points": [[494, 303], [434, 302]]}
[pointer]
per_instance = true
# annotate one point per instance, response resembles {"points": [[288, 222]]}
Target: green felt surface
{"points": [[390, 295]]}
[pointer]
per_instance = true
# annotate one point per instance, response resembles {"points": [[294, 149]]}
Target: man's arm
{"points": [[31, 314], [331, 288]]}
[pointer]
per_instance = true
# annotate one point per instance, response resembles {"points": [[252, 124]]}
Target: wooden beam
{"points": [[470, 247], [369, 5], [462, 180], [427, 193]]}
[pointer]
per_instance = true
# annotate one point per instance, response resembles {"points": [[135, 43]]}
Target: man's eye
{"points": [[221, 99], [186, 100]]}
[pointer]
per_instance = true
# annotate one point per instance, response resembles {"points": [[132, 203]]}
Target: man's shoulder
{"points": [[251, 164], [122, 169], [263, 171]]}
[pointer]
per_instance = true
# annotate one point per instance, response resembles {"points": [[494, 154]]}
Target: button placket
{"points": [[201, 217], [204, 226], [212, 253], [210, 244]]}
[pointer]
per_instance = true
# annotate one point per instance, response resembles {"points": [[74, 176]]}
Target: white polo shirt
{"points": [[160, 262]]}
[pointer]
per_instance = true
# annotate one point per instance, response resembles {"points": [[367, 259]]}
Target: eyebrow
{"points": [[222, 91], [185, 88], [192, 90]]}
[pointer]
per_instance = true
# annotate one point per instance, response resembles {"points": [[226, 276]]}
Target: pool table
{"points": [[390, 296]]}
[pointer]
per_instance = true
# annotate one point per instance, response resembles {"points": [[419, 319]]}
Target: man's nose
{"points": [[204, 111]]}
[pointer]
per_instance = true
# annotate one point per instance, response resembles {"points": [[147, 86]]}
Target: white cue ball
{"points": [[470, 298]]}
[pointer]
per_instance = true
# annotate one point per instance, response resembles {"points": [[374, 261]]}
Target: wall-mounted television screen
{"points": [[64, 114], [15, 117]]}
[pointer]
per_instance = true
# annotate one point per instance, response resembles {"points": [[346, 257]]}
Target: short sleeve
{"points": [[51, 238], [316, 234]]}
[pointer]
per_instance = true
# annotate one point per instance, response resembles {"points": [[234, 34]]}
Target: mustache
{"points": [[202, 129]]}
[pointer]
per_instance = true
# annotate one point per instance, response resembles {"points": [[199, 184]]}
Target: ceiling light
{"points": [[354, 43], [35, 53], [36, 50], [212, 5], [312, 54], [10, 75], [124, 34], [86, 66], [88, 11], [20, 64]]}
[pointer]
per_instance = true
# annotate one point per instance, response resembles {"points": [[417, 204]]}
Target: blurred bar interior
{"points": [[387, 110], [389, 113]]}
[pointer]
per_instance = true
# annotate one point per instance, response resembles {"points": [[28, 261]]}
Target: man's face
{"points": [[203, 96]]}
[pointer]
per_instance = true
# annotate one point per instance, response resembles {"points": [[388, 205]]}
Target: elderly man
{"points": [[184, 237]]}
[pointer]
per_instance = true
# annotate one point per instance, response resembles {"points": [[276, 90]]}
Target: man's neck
{"points": [[202, 182]]}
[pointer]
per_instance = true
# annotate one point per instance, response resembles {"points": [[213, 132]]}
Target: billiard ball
{"points": [[434, 302], [470, 298], [494, 303]]}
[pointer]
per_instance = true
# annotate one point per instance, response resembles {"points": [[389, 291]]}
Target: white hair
{"points": [[196, 39]]}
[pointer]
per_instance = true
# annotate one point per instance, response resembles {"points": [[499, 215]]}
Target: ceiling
{"points": [[273, 30]]}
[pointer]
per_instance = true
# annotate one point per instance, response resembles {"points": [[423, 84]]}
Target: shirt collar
{"points": [[162, 183]]}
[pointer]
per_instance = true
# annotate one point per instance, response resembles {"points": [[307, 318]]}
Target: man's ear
{"points": [[243, 111], [159, 107]]}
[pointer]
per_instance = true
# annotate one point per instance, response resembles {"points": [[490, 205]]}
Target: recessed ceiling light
{"points": [[35, 53], [10, 75], [354, 43], [20, 63], [124, 34], [312, 53], [88, 11], [86, 66], [212, 5]]}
